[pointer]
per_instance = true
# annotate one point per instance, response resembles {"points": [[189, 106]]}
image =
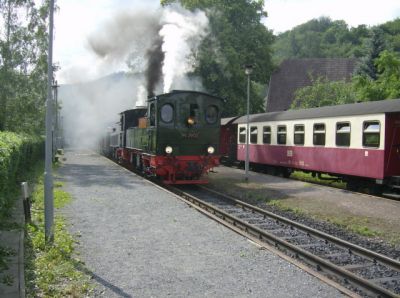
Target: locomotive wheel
{"points": [[139, 163]]}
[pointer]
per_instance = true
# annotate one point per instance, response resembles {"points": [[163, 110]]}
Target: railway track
{"points": [[363, 272]]}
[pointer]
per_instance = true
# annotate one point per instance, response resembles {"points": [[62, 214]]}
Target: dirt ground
{"points": [[363, 214]]}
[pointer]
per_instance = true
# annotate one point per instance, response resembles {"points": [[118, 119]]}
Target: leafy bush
{"points": [[17, 154]]}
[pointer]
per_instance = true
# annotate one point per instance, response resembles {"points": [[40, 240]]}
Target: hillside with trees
{"points": [[377, 49], [325, 38]]}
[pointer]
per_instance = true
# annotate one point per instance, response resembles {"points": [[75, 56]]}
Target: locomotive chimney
{"points": [[153, 72]]}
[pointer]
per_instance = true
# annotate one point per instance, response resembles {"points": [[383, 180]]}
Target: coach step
{"points": [[391, 195]]}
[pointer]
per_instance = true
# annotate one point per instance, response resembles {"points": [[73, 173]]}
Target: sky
{"points": [[286, 14], [77, 19]]}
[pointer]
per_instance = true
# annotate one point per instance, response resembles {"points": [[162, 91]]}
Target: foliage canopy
{"points": [[23, 66]]}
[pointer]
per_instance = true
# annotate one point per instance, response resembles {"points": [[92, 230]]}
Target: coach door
{"points": [[393, 165]]}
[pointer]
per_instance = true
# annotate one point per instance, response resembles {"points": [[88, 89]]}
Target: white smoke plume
{"points": [[182, 32], [158, 47], [135, 37]]}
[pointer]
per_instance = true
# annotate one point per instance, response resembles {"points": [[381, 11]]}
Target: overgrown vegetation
{"points": [[17, 154], [5, 253], [52, 270], [7, 222], [358, 226], [323, 179]]}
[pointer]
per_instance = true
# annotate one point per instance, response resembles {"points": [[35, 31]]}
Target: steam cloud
{"points": [[159, 48], [161, 44], [182, 33]]}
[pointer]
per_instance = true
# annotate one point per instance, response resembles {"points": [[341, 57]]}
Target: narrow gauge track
{"points": [[362, 271]]}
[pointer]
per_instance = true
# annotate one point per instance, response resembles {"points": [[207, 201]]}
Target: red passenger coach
{"points": [[360, 143]]}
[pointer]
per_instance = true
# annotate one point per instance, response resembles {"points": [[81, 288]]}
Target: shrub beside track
{"points": [[17, 153]]}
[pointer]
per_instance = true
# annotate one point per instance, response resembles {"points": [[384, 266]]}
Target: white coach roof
{"points": [[354, 109]]}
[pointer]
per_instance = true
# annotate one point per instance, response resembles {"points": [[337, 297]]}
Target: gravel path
{"points": [[139, 241]]}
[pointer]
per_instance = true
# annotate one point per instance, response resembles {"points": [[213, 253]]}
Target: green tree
{"points": [[321, 38], [387, 84], [324, 93], [375, 45], [237, 38], [22, 66], [391, 31]]}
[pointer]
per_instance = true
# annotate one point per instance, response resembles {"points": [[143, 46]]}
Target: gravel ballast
{"points": [[137, 240], [318, 205]]}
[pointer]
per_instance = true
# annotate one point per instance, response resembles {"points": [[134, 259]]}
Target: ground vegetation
{"points": [[52, 270]]}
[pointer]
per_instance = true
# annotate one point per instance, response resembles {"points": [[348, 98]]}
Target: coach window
{"points": [[242, 135], [253, 134], [299, 134], [343, 134], [371, 134], [319, 134], [167, 113], [267, 134], [281, 136]]}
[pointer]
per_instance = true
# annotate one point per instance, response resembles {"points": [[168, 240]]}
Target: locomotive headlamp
{"points": [[168, 149], [190, 120], [210, 150]]}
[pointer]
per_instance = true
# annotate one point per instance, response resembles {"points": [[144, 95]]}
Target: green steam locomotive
{"points": [[176, 138]]}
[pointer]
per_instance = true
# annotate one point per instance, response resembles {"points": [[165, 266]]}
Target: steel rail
{"points": [[319, 263], [395, 264]]}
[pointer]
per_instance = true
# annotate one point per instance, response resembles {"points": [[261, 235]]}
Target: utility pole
{"points": [[56, 136], [48, 174], [248, 69]]}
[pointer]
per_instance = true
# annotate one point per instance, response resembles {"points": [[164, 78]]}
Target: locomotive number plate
{"points": [[190, 135]]}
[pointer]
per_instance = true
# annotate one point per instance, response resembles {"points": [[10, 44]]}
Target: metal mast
{"points": [[48, 175]]}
